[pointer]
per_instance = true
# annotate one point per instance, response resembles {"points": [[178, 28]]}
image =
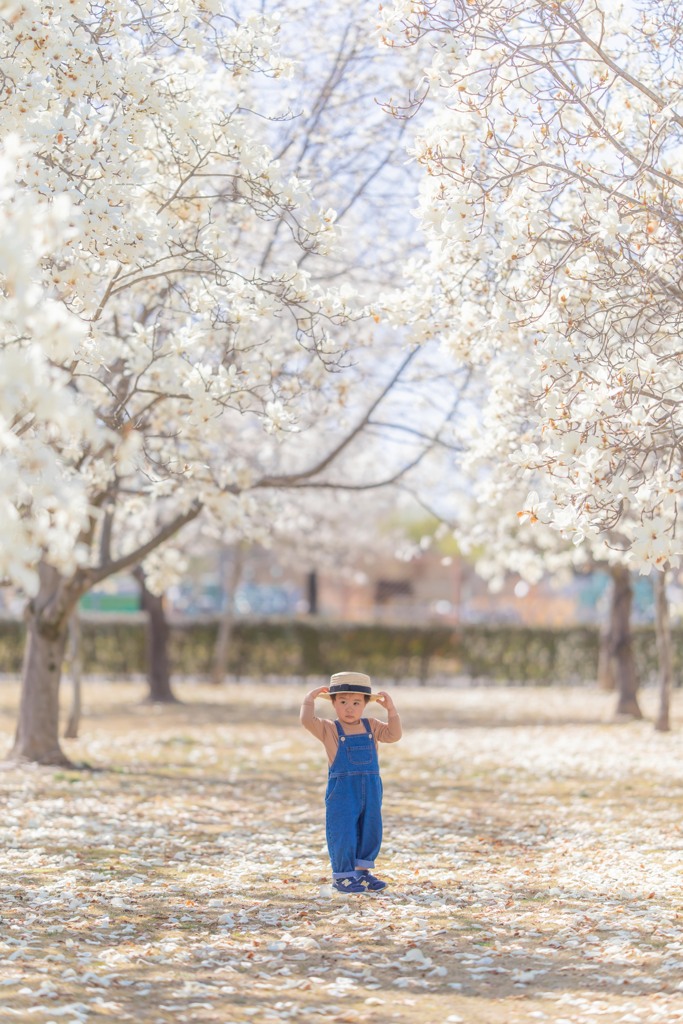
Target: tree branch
{"points": [[292, 479], [101, 572], [570, 23]]}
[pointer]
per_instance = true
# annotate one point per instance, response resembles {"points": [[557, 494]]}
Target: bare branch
{"points": [[288, 480]]}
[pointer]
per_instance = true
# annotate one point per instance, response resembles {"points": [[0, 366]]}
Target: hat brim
{"points": [[346, 693]]}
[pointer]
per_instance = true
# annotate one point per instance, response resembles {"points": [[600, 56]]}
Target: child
{"points": [[353, 799]]}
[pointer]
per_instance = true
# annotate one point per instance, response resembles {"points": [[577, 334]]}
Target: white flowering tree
{"points": [[182, 302], [140, 329], [551, 143]]}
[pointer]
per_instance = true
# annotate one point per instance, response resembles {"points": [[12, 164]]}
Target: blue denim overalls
{"points": [[353, 803]]}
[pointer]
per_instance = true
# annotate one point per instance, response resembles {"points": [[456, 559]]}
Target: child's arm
{"points": [[307, 715], [392, 731]]}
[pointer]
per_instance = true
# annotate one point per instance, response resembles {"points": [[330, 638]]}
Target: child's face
{"points": [[349, 708]]}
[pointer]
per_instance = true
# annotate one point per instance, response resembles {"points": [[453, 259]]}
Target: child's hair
{"points": [[365, 696]]}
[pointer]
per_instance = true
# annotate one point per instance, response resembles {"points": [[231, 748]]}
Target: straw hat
{"points": [[350, 682]]}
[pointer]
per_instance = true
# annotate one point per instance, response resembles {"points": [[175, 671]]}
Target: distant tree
{"points": [[664, 653], [496, 528], [157, 636], [232, 559], [74, 664]]}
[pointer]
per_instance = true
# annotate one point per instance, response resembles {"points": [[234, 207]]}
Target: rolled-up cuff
{"points": [[365, 864]]}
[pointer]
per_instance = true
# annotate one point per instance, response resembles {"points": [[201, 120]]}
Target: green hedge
{"points": [[299, 647]]}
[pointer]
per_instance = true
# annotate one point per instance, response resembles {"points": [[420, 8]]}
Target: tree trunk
{"points": [[623, 661], [75, 670], [157, 637], [664, 655], [47, 618], [606, 680], [312, 592], [232, 573]]}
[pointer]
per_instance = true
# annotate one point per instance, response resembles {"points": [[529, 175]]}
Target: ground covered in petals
{"points": [[534, 852]]}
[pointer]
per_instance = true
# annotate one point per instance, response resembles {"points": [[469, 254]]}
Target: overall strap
{"points": [[368, 727], [340, 731]]}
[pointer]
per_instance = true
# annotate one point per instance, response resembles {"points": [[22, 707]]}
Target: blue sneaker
{"points": [[350, 885], [374, 884]]}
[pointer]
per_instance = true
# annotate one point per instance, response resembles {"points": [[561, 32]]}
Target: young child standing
{"points": [[353, 799]]}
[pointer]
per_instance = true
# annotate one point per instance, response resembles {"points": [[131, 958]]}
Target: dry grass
{"points": [[534, 852]]}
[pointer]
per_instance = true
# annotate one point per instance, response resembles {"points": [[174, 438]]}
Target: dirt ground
{"points": [[533, 848]]}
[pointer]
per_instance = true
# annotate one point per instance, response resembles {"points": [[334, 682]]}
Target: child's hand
{"points": [[385, 700], [316, 693]]}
